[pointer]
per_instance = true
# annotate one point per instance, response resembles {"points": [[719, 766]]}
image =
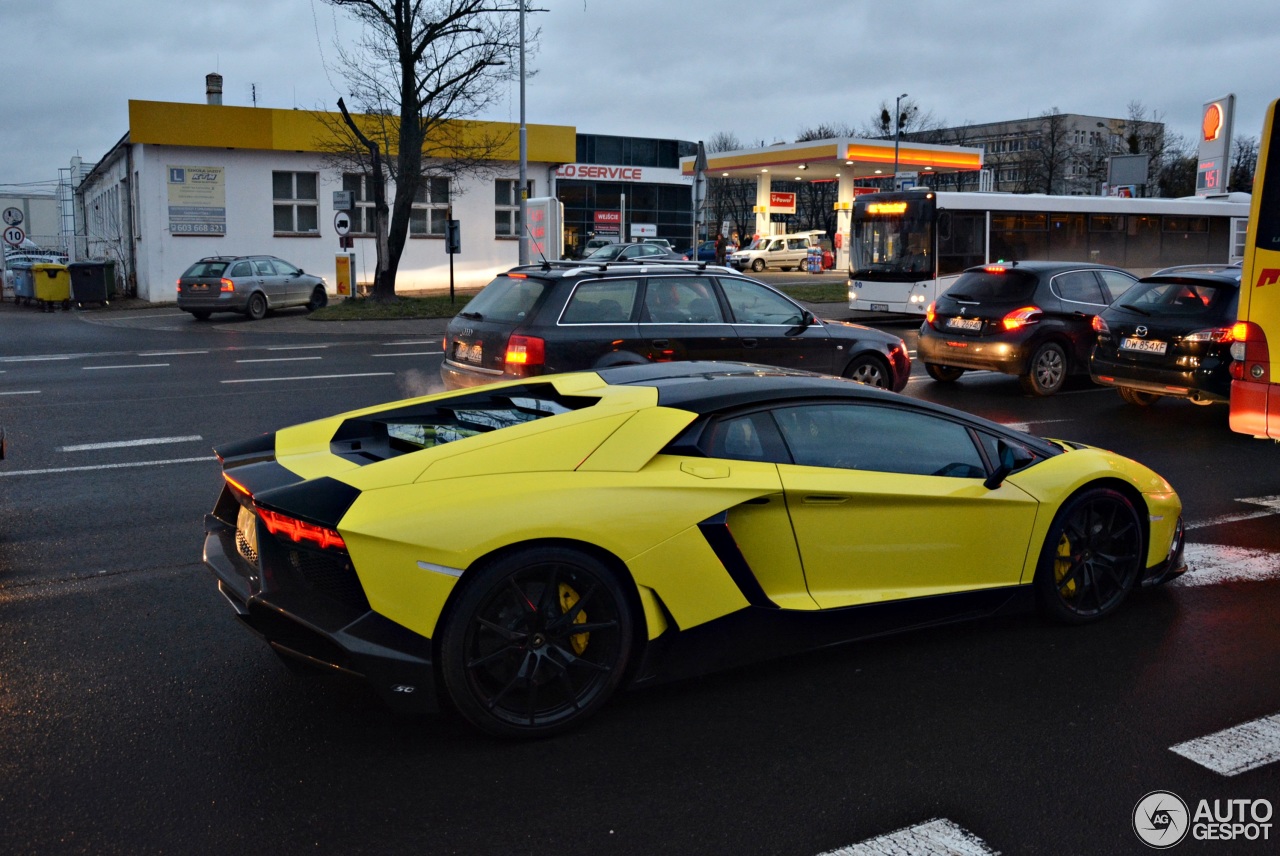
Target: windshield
{"points": [[892, 240], [507, 298], [607, 252]]}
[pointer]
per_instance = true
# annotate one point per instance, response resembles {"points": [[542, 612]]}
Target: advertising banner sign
{"points": [[782, 203], [197, 201]]}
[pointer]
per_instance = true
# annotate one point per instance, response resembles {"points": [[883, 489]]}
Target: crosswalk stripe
{"points": [[1238, 749], [937, 837]]}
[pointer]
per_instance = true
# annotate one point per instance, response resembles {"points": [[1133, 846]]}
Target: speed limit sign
{"points": [[14, 236]]}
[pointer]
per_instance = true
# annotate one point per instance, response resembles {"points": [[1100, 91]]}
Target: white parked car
{"points": [[779, 252]]}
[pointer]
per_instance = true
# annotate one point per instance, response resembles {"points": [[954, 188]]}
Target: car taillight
{"points": [[226, 285], [1217, 334], [1250, 352], [299, 530], [1100, 327], [1023, 317], [526, 351], [236, 486], [931, 313]]}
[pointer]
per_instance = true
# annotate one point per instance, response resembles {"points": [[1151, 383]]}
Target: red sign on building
{"points": [[608, 221], [782, 203]]}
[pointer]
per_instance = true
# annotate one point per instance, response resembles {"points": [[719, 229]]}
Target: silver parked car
{"points": [[250, 285]]}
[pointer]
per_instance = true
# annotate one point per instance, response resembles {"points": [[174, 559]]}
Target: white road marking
{"points": [[22, 392], [39, 359], [422, 342], [168, 353], [1236, 750], [1270, 503], [307, 377], [297, 348], [138, 366], [938, 837], [124, 444], [280, 360], [8, 473], [1210, 564], [410, 354]]}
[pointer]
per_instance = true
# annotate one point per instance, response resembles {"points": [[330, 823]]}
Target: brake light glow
{"points": [[1024, 317], [236, 486], [995, 268], [1099, 326], [526, 351], [1250, 352], [299, 530], [226, 285], [518, 275], [1217, 334], [930, 313]]}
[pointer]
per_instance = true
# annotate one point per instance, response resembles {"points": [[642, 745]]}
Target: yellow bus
{"points": [[1255, 388]]}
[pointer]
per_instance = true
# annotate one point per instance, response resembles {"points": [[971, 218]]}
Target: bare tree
{"points": [[1176, 170], [1045, 163], [1244, 162], [419, 67], [911, 120], [730, 199]]}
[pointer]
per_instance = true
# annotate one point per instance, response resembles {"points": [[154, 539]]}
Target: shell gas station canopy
{"points": [[847, 160]]}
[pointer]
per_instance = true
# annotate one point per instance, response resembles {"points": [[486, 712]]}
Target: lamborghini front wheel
{"points": [[537, 641], [1092, 557]]}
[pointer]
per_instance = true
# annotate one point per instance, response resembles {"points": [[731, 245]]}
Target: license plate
{"points": [[965, 323], [1145, 346], [465, 353], [879, 307]]}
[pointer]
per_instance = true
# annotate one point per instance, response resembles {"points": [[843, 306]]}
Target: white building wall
{"points": [[162, 257]]}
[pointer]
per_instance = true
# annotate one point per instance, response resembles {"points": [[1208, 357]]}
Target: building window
{"points": [[430, 207], [362, 216], [296, 209], [506, 210]]}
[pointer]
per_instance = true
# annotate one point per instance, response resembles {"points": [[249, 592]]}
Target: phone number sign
{"points": [[197, 201]]}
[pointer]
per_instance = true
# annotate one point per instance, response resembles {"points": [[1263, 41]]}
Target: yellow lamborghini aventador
{"points": [[525, 549]]}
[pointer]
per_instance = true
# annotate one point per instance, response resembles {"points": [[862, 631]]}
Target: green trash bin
{"points": [[52, 285]]}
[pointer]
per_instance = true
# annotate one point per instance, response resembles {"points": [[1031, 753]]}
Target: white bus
{"points": [[908, 246]]}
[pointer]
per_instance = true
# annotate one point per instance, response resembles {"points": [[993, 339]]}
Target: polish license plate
{"points": [[1145, 346], [473, 353], [964, 323], [879, 307]]}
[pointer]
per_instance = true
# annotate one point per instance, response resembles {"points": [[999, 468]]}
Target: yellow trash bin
{"points": [[52, 285]]}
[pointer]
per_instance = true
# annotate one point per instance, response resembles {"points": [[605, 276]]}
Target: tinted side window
{"points": [[755, 304], [880, 439], [1079, 286], [1117, 283], [609, 301], [284, 268], [241, 269], [264, 268], [681, 300]]}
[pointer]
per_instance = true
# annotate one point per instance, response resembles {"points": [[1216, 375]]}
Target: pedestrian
{"points": [[721, 246]]}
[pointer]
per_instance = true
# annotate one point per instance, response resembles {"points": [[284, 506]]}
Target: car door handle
{"points": [[661, 343], [750, 343], [825, 499]]}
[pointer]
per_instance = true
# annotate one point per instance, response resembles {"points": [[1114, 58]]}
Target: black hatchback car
{"points": [[1170, 335], [567, 316], [1029, 319]]}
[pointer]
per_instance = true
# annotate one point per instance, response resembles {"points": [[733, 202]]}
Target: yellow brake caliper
{"points": [[569, 597], [1061, 565]]}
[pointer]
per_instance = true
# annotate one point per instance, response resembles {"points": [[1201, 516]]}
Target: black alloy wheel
{"points": [[943, 374], [537, 642], [869, 370], [1092, 557], [257, 309], [319, 299], [1138, 397], [1047, 372]]}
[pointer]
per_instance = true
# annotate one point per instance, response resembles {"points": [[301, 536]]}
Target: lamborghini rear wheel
{"points": [[1091, 558], [537, 642]]}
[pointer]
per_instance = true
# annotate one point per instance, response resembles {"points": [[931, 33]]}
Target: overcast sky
{"points": [[683, 69]]}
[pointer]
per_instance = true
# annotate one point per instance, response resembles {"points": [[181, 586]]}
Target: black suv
{"points": [[1170, 336], [1029, 319], [567, 316]]}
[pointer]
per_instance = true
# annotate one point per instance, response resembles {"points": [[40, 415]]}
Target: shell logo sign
{"points": [[1211, 124]]}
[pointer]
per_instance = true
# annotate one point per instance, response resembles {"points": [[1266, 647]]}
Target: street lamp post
{"points": [[897, 129], [524, 156]]}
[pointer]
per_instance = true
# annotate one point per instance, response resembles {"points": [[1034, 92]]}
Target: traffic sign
{"points": [[14, 236], [342, 223], [13, 216]]}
